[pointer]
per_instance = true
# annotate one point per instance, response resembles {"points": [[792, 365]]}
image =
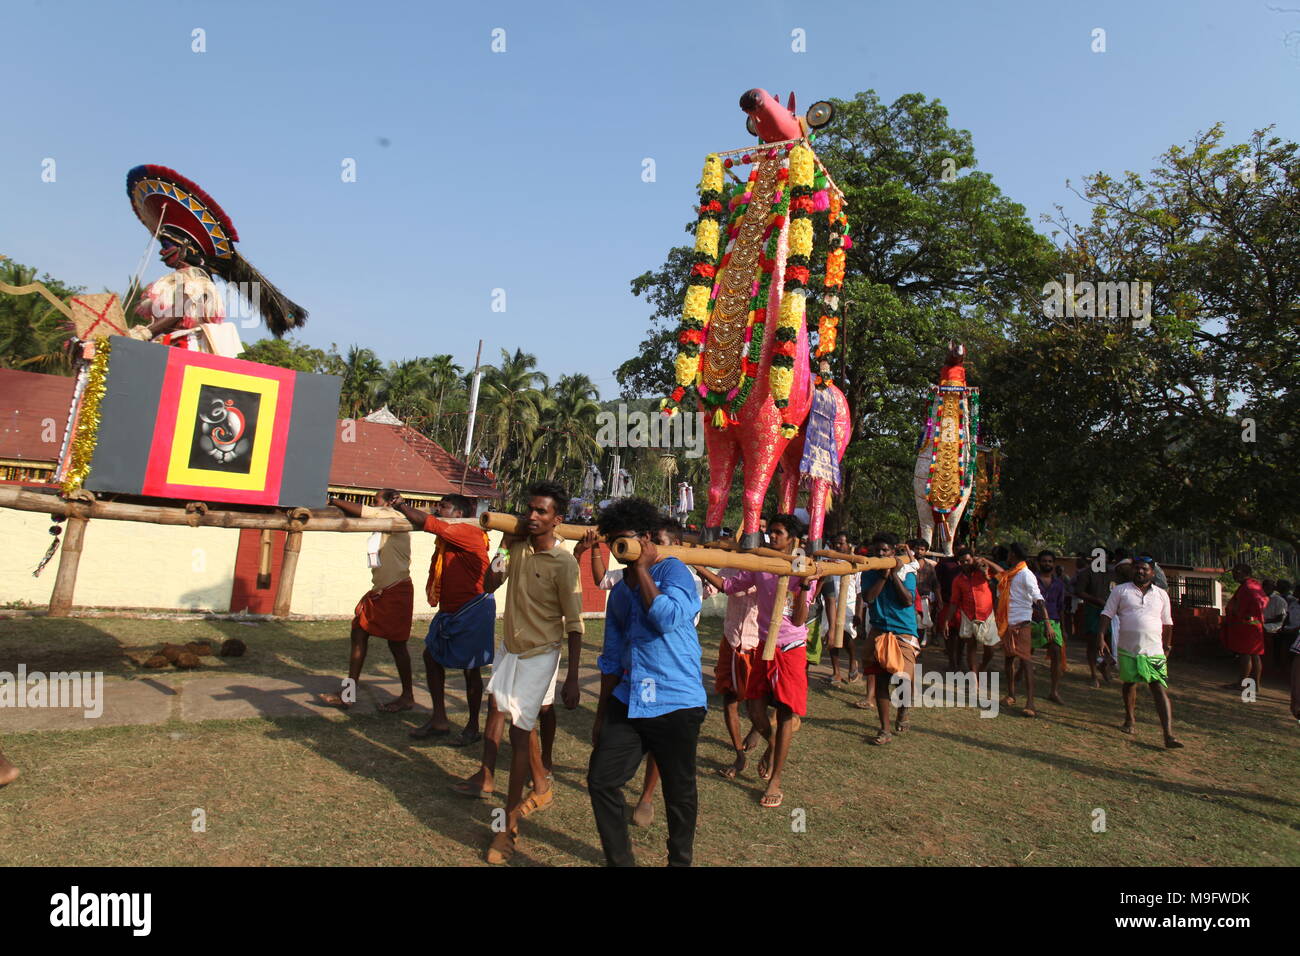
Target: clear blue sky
{"points": [[522, 170]]}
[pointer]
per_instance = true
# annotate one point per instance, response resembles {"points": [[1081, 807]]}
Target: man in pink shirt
{"points": [[737, 652], [782, 682]]}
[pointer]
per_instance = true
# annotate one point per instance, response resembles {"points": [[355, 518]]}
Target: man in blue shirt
{"points": [[651, 688]]}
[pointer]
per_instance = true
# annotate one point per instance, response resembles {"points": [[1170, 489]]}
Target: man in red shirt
{"points": [[1243, 625], [461, 633], [969, 611]]}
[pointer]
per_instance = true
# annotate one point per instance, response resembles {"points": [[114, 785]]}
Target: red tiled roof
{"points": [[27, 401], [397, 456], [378, 456]]}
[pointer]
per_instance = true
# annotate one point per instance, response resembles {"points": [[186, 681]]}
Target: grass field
{"points": [[353, 789]]}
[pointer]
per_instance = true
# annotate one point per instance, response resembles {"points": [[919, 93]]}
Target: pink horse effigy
{"points": [[744, 337]]}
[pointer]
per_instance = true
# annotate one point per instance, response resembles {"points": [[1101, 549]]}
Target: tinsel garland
{"points": [[83, 443], [737, 205], [758, 304], [697, 304]]}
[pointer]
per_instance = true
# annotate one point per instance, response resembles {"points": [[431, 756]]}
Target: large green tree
{"points": [[1191, 420]]}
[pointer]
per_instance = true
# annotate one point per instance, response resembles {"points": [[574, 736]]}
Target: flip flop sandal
{"points": [[1029, 712], [465, 738], [881, 739], [864, 704], [472, 792], [771, 801], [420, 733], [900, 726], [536, 802]]}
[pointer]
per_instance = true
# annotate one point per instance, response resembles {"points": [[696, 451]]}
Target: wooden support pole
{"points": [[264, 561], [288, 567], [778, 607], [841, 606], [65, 582]]}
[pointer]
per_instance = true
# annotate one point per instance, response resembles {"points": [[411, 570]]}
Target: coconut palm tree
{"points": [[567, 438], [511, 399], [33, 332], [407, 389], [362, 374]]}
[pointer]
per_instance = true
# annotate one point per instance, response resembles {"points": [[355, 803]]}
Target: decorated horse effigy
{"points": [[190, 420], [745, 338], [946, 460]]}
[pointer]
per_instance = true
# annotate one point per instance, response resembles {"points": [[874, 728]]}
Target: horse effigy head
{"points": [[956, 354], [773, 123]]}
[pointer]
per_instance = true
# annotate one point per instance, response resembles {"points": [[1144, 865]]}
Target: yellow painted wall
{"points": [[123, 564]]}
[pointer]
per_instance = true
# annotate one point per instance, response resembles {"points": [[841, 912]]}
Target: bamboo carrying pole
{"points": [[628, 550], [69, 557], [514, 524]]}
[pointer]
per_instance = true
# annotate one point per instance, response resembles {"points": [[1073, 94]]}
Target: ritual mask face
{"points": [[178, 248]]}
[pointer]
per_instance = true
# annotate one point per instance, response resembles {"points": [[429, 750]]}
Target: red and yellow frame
{"points": [[168, 474]]}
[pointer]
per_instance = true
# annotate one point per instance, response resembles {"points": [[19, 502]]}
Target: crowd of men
{"points": [[652, 700]]}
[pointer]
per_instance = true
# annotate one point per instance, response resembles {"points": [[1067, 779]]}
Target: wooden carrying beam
{"points": [[628, 550], [514, 524], [319, 519]]}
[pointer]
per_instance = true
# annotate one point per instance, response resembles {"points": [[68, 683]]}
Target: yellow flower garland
{"points": [[711, 178], [696, 305], [802, 166], [706, 238], [781, 379], [801, 237]]}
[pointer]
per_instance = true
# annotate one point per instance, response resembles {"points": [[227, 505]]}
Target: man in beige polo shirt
{"points": [[543, 606], [385, 610]]}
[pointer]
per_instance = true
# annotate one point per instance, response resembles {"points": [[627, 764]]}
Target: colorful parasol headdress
{"points": [[182, 214]]}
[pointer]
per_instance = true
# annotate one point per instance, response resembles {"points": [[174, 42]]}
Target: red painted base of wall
{"points": [[245, 596]]}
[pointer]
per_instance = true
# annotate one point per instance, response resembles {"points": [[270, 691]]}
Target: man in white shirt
{"points": [[1145, 626], [1275, 615], [1020, 603]]}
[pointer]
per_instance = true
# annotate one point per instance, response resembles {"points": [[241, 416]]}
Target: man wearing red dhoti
{"points": [[386, 609], [1243, 625]]}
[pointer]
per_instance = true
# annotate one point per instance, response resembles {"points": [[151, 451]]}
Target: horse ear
{"points": [[790, 102]]}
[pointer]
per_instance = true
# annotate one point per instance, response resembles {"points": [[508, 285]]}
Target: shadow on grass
{"points": [[419, 774]]}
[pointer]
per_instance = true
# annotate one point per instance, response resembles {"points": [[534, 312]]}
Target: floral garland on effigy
{"points": [[805, 199], [828, 324], [87, 431], [967, 410], [704, 268]]}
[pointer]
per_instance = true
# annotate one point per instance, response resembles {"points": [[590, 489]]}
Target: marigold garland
{"points": [[698, 300], [82, 448]]}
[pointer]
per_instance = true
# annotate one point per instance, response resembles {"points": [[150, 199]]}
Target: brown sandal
{"points": [[503, 847], [536, 802]]}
